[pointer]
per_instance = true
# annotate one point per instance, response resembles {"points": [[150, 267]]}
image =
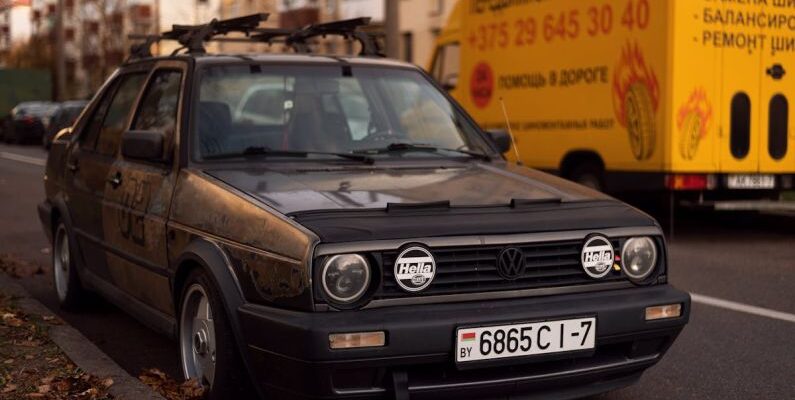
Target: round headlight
{"points": [[345, 277], [639, 256]]}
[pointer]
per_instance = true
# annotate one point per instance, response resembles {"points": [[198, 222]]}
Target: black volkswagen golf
{"points": [[311, 226]]}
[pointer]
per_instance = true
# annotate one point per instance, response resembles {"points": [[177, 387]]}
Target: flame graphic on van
{"points": [[636, 97], [693, 121]]}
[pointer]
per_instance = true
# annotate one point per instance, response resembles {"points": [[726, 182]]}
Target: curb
{"points": [[80, 350]]}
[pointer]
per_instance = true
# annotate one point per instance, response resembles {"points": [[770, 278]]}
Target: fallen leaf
{"points": [[11, 320], [9, 388], [107, 382]]}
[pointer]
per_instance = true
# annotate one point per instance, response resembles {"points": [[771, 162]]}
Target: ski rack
{"points": [[299, 39], [193, 37]]}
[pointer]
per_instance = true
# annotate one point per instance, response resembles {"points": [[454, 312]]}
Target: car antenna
{"points": [[510, 131]]}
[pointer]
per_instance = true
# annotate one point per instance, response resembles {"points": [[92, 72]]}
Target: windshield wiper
{"points": [[404, 147], [265, 152]]}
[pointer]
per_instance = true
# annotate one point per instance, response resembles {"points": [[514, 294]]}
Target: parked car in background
{"points": [[65, 115], [28, 121], [21, 85]]}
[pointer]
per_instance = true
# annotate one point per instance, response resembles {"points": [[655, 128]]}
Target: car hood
{"points": [[471, 185], [352, 204]]}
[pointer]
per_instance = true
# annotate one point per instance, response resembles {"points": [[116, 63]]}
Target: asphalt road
{"points": [[722, 354]]}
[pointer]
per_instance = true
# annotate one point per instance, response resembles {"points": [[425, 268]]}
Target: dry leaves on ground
{"points": [[33, 367], [16, 267], [170, 388]]}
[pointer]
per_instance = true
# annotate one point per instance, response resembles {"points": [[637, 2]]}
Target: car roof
{"points": [[208, 59], [26, 104]]}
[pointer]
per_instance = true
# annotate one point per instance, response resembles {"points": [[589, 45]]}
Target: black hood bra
{"points": [[352, 204]]}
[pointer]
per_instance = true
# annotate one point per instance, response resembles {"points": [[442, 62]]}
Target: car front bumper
{"points": [[290, 356]]}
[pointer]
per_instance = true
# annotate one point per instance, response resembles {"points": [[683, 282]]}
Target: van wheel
{"points": [[588, 175], [67, 282], [206, 343]]}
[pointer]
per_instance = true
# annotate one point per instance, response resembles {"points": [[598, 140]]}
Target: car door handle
{"points": [[115, 180]]}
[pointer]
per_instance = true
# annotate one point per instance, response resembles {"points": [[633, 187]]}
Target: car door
{"points": [[137, 203], [88, 164]]}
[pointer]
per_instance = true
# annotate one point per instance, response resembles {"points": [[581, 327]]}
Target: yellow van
{"points": [[627, 95]]}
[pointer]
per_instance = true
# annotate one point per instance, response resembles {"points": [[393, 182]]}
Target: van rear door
{"points": [[741, 48], [776, 120]]}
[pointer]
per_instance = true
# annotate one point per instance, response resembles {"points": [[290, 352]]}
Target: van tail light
{"points": [[690, 182]]}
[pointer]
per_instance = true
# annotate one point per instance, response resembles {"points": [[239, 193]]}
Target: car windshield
{"points": [[271, 110]]}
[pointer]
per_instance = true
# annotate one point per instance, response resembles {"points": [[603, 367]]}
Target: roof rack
{"points": [[193, 37], [349, 29]]}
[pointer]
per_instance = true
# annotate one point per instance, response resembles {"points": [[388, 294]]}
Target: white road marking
{"points": [[24, 159], [744, 308]]}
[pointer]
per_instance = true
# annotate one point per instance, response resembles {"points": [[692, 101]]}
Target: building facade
{"points": [[95, 36], [420, 21], [15, 27]]}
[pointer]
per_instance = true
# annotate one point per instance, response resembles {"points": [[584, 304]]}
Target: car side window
{"points": [[447, 65], [158, 108], [88, 139], [118, 111]]}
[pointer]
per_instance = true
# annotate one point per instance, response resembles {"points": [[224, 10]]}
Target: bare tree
{"points": [[103, 38]]}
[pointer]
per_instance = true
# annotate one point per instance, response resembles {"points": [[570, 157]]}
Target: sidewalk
{"points": [[42, 357]]}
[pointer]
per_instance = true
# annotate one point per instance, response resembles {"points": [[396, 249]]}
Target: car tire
{"points": [[588, 175], [68, 288], [208, 351]]}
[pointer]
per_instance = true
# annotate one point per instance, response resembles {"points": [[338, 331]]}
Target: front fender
{"points": [[209, 256]]}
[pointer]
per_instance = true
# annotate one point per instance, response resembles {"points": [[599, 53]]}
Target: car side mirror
{"points": [[501, 140], [449, 82], [142, 145], [64, 134]]}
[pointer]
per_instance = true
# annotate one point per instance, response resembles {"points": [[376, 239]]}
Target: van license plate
{"points": [[519, 340], [751, 182]]}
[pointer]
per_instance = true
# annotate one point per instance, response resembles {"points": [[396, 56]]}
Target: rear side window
{"points": [[740, 125], [778, 126], [158, 110], [119, 110]]}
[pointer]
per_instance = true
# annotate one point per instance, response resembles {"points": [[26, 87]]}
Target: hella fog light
{"points": [[345, 277], [356, 340], [639, 257], [663, 312]]}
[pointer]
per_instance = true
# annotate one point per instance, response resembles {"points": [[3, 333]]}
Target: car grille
{"points": [[472, 269]]}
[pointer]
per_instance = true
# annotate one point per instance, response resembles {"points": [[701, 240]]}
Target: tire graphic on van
{"points": [[693, 121], [636, 97], [691, 136], [640, 121]]}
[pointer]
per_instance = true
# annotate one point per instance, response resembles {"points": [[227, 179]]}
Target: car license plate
{"points": [[518, 340], [751, 182]]}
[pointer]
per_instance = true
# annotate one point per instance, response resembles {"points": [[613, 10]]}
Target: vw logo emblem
{"points": [[510, 263]]}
